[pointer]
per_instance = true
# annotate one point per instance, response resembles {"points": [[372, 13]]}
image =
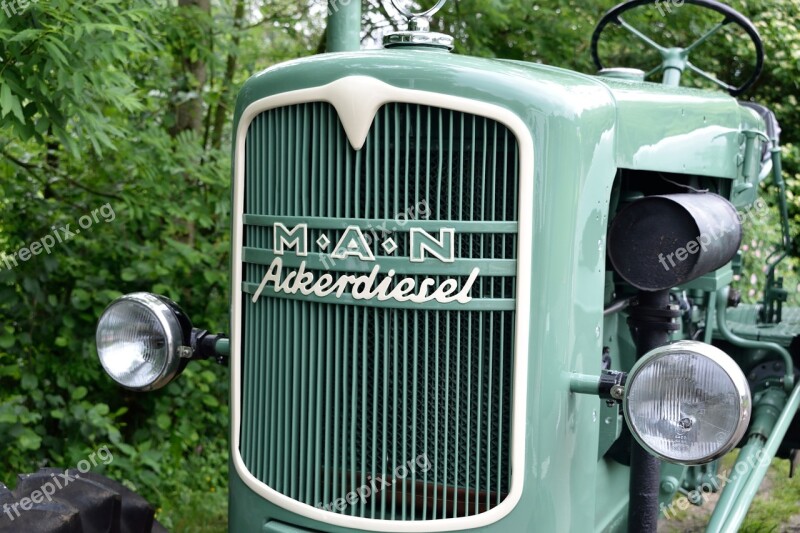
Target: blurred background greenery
{"points": [[129, 103]]}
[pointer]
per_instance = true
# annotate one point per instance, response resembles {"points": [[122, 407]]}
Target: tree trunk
{"points": [[192, 79], [189, 112], [222, 110]]}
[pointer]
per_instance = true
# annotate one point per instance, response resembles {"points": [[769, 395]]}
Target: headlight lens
{"points": [[140, 340], [687, 402]]}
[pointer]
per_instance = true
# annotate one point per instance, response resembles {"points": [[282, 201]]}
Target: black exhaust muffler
{"points": [[660, 242]]}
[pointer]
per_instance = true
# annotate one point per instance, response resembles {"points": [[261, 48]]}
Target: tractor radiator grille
{"points": [[386, 410]]}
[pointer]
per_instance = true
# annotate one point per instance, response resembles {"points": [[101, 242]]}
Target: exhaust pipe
{"points": [[660, 242]]}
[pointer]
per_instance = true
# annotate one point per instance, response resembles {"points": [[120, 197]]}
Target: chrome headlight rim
{"points": [[177, 330], [728, 366]]}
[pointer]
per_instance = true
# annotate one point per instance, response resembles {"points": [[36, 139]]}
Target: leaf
{"points": [[28, 34], [79, 393], [7, 100], [127, 449], [163, 421], [210, 401], [80, 299], [29, 381], [55, 52], [28, 440], [7, 339]]}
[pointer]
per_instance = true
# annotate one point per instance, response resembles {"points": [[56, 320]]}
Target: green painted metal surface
{"points": [[278, 527], [583, 129], [723, 327], [744, 322], [712, 281], [344, 26], [655, 122]]}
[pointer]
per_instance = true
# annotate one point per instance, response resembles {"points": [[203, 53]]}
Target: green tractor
{"points": [[489, 295]]}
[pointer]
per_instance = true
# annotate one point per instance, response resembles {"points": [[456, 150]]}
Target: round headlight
{"points": [[687, 402], [141, 339]]}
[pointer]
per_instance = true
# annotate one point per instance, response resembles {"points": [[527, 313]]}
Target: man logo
{"points": [[353, 244]]}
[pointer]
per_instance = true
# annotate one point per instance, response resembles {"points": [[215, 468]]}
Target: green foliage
{"points": [[90, 95], [63, 86], [761, 235]]}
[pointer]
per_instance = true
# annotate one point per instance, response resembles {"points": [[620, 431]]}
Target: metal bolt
{"points": [[185, 352], [617, 392], [685, 423], [695, 497]]}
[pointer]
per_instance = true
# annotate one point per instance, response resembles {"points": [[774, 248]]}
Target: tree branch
{"points": [[32, 170]]}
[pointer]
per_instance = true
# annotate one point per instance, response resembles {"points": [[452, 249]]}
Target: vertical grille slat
{"points": [[427, 451], [318, 419], [375, 410]]}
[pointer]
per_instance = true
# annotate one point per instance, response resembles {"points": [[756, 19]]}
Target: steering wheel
{"points": [[678, 58]]}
